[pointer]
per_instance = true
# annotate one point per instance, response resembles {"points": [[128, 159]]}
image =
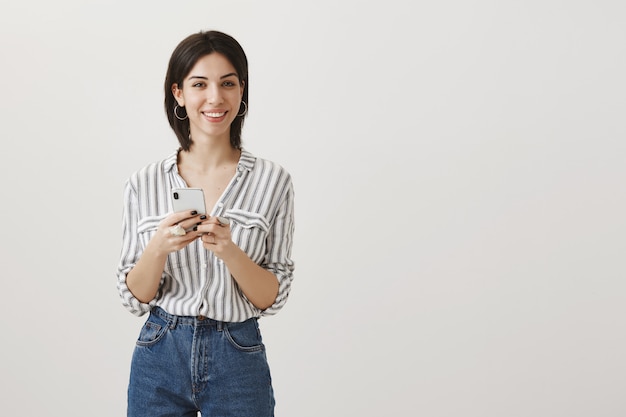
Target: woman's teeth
{"points": [[215, 114]]}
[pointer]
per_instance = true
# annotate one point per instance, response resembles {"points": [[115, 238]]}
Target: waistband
{"points": [[188, 320]]}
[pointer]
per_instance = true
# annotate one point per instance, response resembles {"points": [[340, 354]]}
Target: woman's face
{"points": [[211, 93]]}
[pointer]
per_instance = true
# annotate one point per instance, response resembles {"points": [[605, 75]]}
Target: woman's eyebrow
{"points": [[206, 78]]}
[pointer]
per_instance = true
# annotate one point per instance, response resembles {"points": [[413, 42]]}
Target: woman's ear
{"points": [[243, 87], [178, 95]]}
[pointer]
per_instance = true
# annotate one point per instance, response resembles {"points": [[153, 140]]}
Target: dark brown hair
{"points": [[183, 59]]}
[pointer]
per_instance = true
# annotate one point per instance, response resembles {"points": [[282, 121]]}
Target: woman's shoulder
{"points": [[262, 166], [269, 175]]}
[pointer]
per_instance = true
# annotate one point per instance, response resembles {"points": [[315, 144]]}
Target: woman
{"points": [[205, 279]]}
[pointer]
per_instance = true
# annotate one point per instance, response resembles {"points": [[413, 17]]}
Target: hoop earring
{"points": [[176, 114], [245, 110]]}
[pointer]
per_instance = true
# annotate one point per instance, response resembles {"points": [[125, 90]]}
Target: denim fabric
{"points": [[182, 365]]}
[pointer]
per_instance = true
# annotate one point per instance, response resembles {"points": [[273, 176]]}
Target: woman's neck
{"points": [[208, 158]]}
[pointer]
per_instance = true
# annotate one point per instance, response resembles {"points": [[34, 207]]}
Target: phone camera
{"points": [[175, 196]]}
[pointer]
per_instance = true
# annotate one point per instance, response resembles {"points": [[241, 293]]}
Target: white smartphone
{"points": [[188, 199]]}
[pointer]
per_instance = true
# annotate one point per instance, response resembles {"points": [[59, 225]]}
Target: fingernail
{"points": [[193, 213], [203, 217]]}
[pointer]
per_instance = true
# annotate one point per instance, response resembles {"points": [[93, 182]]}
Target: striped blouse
{"points": [[259, 201]]}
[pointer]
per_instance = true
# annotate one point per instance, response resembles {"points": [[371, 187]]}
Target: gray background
{"points": [[459, 172]]}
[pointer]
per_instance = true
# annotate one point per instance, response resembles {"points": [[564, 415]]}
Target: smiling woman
{"points": [[205, 289], [211, 95], [190, 68], [460, 176]]}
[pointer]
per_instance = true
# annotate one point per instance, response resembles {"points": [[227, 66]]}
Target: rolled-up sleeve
{"points": [[279, 246], [131, 251]]}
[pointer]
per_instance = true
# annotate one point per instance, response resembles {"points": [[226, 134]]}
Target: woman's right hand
{"points": [[144, 279], [164, 242]]}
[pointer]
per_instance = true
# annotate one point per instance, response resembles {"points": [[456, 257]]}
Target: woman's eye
{"points": [[228, 84], [198, 85]]}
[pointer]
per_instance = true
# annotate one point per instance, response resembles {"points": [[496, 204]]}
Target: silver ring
{"points": [[177, 230], [223, 221]]}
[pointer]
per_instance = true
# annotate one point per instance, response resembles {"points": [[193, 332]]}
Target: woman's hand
{"points": [[144, 279], [215, 235], [166, 241], [258, 284]]}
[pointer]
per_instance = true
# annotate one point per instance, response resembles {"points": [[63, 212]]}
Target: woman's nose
{"points": [[213, 94]]}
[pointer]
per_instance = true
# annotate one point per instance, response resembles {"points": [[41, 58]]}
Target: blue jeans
{"points": [[185, 365]]}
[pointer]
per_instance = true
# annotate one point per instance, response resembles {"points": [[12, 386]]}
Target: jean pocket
{"points": [[244, 336], [152, 331]]}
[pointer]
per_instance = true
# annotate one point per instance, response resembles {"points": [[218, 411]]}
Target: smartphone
{"points": [[188, 199]]}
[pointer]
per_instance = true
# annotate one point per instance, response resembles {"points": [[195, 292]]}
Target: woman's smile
{"points": [[214, 116]]}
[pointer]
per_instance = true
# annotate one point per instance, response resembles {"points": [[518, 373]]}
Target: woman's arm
{"points": [[144, 279], [258, 284], [266, 286]]}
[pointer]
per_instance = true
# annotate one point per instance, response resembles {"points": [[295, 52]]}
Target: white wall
{"points": [[459, 170]]}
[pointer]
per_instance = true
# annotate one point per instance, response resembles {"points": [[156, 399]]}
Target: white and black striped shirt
{"points": [[259, 201]]}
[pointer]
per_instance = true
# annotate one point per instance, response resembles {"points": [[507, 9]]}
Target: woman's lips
{"points": [[214, 116]]}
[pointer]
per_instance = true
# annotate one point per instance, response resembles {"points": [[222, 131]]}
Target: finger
{"points": [[206, 227], [219, 220], [179, 216], [176, 231], [208, 239], [212, 220], [172, 242], [192, 223], [182, 241], [184, 228]]}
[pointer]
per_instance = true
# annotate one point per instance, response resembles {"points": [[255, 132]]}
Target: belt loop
{"points": [[173, 321], [220, 326]]}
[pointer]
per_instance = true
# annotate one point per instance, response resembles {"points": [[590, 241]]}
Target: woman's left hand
{"points": [[259, 285], [215, 235]]}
